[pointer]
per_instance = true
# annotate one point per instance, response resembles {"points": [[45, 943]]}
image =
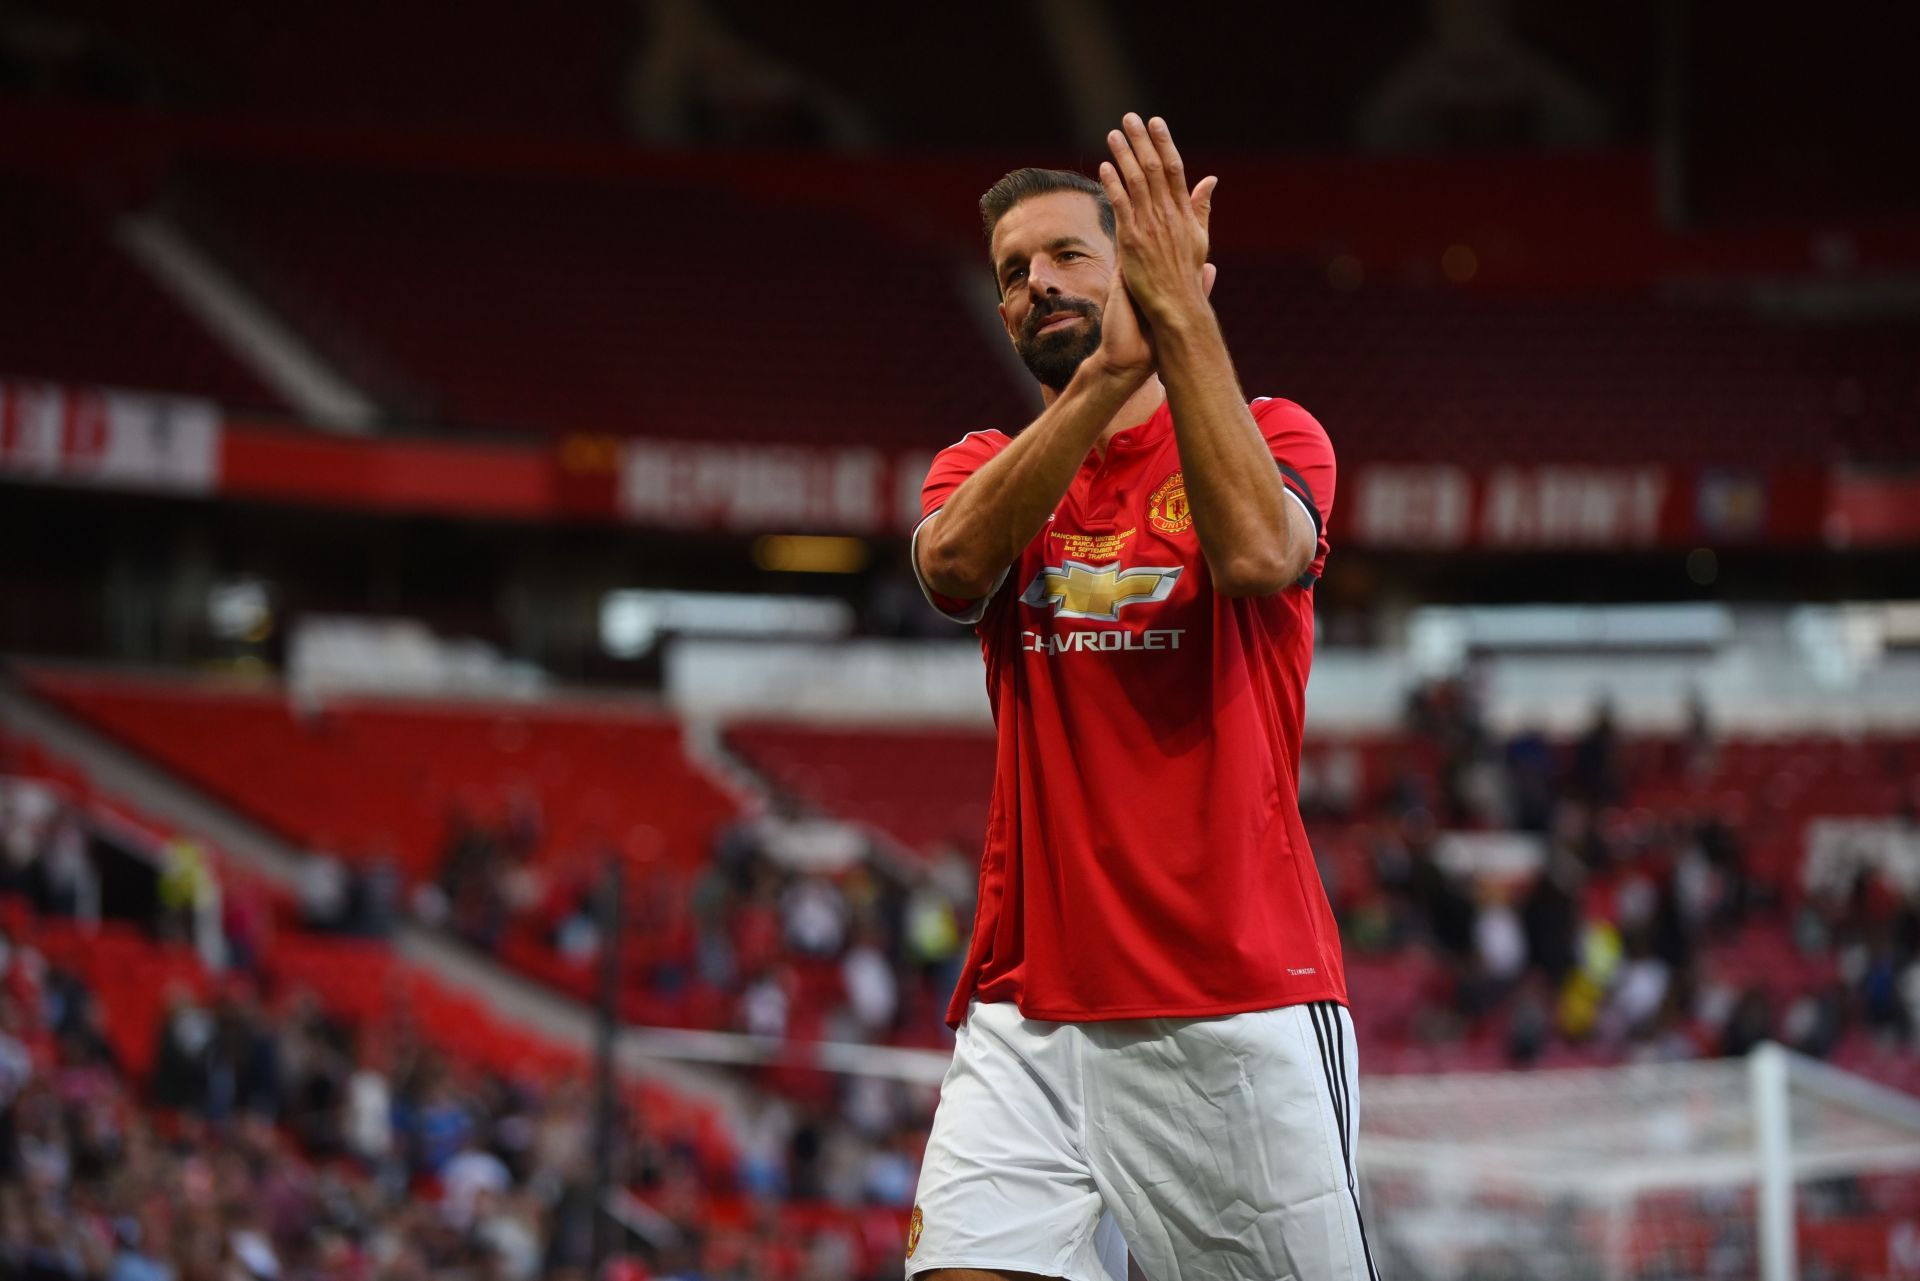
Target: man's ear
{"points": [[1011, 336]]}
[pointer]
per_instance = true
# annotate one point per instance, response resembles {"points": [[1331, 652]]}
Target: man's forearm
{"points": [[1238, 500], [999, 509]]}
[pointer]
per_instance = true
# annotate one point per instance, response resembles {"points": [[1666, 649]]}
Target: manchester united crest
{"points": [[1167, 509], [913, 1232]]}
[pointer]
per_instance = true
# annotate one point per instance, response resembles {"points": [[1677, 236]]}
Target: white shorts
{"points": [[1220, 1147]]}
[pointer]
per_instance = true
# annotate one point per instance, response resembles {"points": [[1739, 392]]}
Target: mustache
{"points": [[1048, 308]]}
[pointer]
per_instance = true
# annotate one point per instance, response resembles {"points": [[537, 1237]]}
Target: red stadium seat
{"points": [[367, 778], [596, 306], [925, 788]]}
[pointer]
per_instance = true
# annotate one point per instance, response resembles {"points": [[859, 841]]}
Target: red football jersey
{"points": [[1144, 855]]}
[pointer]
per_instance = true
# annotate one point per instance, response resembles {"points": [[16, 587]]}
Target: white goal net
{"points": [[1773, 1167]]}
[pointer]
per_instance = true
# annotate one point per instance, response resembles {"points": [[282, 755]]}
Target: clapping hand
{"points": [[1161, 226]]}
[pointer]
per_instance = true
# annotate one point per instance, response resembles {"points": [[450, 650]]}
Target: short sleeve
{"points": [[1300, 446], [951, 468]]}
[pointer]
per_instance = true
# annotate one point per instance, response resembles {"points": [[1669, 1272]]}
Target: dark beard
{"points": [[1052, 358]]}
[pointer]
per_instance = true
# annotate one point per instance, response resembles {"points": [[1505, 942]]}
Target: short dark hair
{"points": [[1024, 184]]}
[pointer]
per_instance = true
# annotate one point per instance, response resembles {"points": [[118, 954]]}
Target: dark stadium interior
{"points": [[447, 451]]}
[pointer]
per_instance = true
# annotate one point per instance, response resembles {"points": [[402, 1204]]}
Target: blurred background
{"points": [[455, 470]]}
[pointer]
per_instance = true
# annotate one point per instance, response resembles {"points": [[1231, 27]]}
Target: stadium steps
{"points": [[559, 304], [367, 777], [511, 999], [78, 310], [933, 784]]}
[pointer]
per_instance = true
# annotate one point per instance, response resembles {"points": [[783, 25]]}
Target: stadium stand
{"points": [[1671, 915], [440, 290], [927, 789], [366, 780], [302, 1120], [330, 1066], [500, 817], [436, 288], [571, 76], [522, 303], [1652, 819], [79, 311], [358, 61], [1682, 937], [1477, 379]]}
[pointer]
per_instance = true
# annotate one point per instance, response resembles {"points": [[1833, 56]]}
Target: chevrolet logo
{"points": [[1076, 589]]}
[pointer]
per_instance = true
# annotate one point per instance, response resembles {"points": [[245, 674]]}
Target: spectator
{"points": [[873, 993], [323, 890], [1596, 760], [814, 916], [183, 1056], [467, 1177]]}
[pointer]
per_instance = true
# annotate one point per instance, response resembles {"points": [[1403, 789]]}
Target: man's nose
{"points": [[1042, 280]]}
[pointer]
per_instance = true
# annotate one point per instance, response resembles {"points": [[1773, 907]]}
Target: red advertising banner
{"points": [[444, 477], [1436, 507], [120, 440], [86, 436], [1870, 509], [759, 488]]}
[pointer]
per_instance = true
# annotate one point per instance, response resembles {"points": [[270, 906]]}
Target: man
{"points": [[1150, 1024]]}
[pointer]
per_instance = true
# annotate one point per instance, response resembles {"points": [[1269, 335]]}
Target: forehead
{"points": [[1038, 220]]}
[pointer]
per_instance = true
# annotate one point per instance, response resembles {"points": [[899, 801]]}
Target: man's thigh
{"points": [[1225, 1145], [1005, 1186]]}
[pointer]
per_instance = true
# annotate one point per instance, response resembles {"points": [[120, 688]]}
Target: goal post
{"points": [[1681, 1170], [1770, 1093]]}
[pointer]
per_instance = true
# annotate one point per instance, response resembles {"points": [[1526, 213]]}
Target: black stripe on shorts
{"points": [[1333, 1061]]}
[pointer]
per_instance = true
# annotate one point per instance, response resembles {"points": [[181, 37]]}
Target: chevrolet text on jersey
{"points": [[1101, 642]]}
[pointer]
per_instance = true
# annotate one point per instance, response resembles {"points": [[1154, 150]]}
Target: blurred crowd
{"points": [[1568, 910], [268, 1144], [271, 1141], [1551, 907], [790, 929], [43, 850], [1565, 908], [797, 926]]}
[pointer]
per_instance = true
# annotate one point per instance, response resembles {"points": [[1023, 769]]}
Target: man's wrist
{"points": [[1182, 320], [1103, 381]]}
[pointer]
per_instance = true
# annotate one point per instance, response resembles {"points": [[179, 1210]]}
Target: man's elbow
{"points": [[950, 573], [1259, 571]]}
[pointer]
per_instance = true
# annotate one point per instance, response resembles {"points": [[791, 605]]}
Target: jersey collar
{"points": [[1140, 436]]}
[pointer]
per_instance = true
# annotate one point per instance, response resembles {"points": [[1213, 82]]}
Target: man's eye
{"points": [[1015, 274], [1068, 255]]}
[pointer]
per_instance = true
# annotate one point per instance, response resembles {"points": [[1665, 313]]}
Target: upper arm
{"points": [[1302, 539], [952, 468], [1304, 454]]}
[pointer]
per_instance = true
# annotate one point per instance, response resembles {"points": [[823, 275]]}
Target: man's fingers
{"points": [[1117, 196], [1203, 199], [1176, 169], [1123, 319], [1208, 274], [1134, 315], [1128, 165], [1147, 154]]}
